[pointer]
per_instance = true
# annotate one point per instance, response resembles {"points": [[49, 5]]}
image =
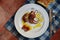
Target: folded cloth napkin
{"points": [[56, 36], [8, 8]]}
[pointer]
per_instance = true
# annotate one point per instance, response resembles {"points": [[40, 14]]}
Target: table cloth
{"points": [[46, 36]]}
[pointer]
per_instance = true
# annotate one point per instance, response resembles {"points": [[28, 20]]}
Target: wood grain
{"points": [[7, 10]]}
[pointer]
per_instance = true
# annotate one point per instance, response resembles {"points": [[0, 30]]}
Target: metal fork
{"points": [[50, 19], [54, 28]]}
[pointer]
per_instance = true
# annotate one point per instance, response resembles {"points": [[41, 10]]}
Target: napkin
{"points": [[56, 36]]}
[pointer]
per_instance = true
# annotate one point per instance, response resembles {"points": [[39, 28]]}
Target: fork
{"points": [[54, 28], [52, 17], [50, 20]]}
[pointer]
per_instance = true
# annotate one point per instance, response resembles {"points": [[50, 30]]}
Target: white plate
{"points": [[33, 33]]}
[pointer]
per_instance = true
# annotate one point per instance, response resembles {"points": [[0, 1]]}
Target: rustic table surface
{"points": [[7, 28]]}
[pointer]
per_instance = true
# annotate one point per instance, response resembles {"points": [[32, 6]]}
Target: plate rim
{"points": [[20, 8]]}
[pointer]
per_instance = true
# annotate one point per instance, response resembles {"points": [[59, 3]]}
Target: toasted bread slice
{"points": [[45, 2]]}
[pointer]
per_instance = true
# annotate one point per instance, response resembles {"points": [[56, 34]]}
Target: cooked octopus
{"points": [[25, 17], [30, 17]]}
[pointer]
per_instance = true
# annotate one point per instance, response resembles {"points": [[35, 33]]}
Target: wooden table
{"points": [[7, 10]]}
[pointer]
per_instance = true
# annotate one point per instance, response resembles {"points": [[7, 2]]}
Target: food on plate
{"points": [[31, 17], [25, 17], [32, 20], [26, 28]]}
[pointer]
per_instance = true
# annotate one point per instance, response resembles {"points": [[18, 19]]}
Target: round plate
{"points": [[18, 20]]}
